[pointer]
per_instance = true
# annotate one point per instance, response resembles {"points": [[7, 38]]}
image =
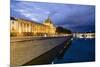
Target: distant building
{"points": [[22, 27], [84, 35]]}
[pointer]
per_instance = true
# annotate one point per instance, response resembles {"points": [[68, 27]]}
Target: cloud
{"points": [[67, 15], [19, 10], [26, 15]]}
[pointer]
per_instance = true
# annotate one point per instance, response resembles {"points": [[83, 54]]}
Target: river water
{"points": [[80, 50]]}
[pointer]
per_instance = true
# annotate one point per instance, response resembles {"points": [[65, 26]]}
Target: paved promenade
{"points": [[25, 50]]}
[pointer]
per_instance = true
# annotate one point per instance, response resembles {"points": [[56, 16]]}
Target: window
{"points": [[12, 22]]}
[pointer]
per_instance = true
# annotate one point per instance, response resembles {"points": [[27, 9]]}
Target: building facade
{"points": [[22, 27]]}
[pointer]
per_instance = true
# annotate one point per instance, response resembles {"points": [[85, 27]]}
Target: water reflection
{"points": [[80, 50], [62, 52]]}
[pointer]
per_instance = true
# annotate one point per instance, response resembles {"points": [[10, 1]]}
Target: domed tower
{"points": [[49, 23]]}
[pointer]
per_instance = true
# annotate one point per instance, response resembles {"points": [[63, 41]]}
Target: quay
{"points": [[36, 50]]}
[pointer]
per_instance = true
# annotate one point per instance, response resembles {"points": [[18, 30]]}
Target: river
{"points": [[80, 50]]}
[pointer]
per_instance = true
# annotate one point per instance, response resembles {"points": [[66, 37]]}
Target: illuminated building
{"points": [[22, 27]]}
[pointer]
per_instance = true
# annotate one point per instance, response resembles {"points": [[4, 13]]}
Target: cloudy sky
{"points": [[78, 18]]}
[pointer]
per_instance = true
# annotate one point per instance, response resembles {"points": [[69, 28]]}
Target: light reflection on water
{"points": [[80, 50]]}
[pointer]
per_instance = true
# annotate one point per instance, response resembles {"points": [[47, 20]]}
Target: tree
{"points": [[61, 30]]}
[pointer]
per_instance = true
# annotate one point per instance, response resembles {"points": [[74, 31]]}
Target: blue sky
{"points": [[78, 18]]}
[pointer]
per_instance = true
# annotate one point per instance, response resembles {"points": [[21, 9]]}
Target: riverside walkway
{"points": [[25, 49]]}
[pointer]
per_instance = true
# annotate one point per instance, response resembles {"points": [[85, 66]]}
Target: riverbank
{"points": [[23, 52]]}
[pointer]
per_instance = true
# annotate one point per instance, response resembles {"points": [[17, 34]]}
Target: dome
{"points": [[48, 20]]}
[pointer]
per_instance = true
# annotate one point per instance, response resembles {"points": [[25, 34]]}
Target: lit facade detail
{"points": [[22, 27]]}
